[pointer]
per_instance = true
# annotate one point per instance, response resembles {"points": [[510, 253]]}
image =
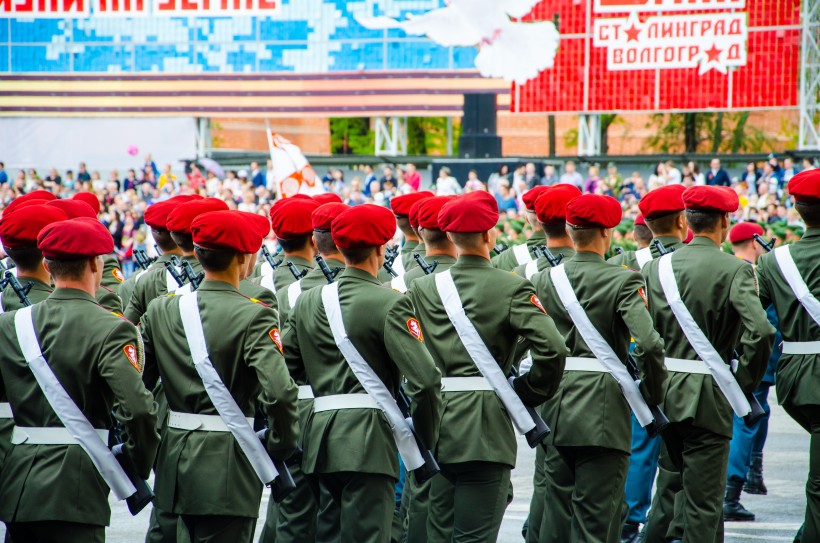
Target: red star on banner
{"points": [[632, 33], [713, 54]]}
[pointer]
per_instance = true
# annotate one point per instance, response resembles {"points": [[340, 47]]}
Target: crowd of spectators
{"points": [[124, 197]]}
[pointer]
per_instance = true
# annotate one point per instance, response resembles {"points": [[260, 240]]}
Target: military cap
{"points": [[20, 229], [414, 212], [226, 230], [89, 198], [662, 201], [156, 216], [712, 199], [805, 186], [74, 209], [473, 212], [328, 198], [531, 196], [322, 217], [279, 203], [400, 205], [594, 211], [428, 211], [75, 238], [690, 235], [551, 204], [260, 223], [180, 218], [348, 231], [744, 231], [292, 218], [639, 220], [34, 195]]}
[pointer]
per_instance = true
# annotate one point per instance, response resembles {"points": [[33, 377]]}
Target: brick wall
{"points": [[311, 134]]}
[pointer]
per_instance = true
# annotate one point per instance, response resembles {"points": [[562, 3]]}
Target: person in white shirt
{"points": [[673, 175], [571, 177], [446, 184]]}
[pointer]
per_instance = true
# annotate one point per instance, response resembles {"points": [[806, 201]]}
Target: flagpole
{"points": [[270, 151]]}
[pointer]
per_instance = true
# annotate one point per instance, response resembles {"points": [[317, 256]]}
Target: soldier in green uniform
{"points": [[218, 501], [789, 278], [642, 236], [401, 206], [588, 456], [519, 255], [437, 247], [294, 519], [702, 301], [112, 274], [473, 316], [550, 210], [247, 286], [353, 340], [91, 361], [158, 282], [290, 220]]}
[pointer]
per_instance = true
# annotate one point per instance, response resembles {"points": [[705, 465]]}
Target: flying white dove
{"points": [[509, 50]]}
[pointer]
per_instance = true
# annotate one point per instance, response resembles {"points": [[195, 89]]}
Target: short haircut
{"points": [[743, 244], [324, 242], [810, 213], [296, 243], [556, 229], [163, 240], [642, 234], [183, 241], [468, 240], [25, 258], [404, 224], [357, 256], [703, 222], [434, 238], [71, 270], [582, 237], [664, 224], [214, 260]]}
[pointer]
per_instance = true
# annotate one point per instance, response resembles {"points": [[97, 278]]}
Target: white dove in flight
{"points": [[513, 51]]}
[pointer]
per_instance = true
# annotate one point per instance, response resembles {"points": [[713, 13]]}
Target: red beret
{"points": [[75, 238], [414, 211], [328, 198], [474, 212], [551, 204], [74, 209], [662, 201], [689, 235], [20, 229], [260, 223], [531, 196], [708, 198], [156, 216], [180, 218], [363, 226], [227, 230], [278, 203], [594, 211], [34, 195], [805, 186], [744, 231], [322, 217], [639, 220], [90, 198], [428, 211], [401, 204], [292, 218]]}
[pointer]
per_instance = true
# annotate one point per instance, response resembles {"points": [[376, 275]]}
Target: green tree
{"points": [[351, 136], [723, 132]]}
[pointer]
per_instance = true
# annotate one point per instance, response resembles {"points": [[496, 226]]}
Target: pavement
{"points": [[779, 514]]}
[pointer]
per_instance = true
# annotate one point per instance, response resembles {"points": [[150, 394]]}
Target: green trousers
{"points": [[55, 532], [474, 495], [215, 529], [539, 489], [704, 456], [668, 506], [808, 416], [355, 507], [293, 520], [162, 526], [585, 492]]}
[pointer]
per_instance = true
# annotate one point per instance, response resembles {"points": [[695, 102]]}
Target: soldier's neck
{"points": [[230, 276], [305, 254], [409, 235], [445, 250], [88, 284], [38, 273], [563, 241]]}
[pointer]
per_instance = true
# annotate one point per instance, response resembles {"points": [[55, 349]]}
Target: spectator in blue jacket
{"points": [[717, 175]]}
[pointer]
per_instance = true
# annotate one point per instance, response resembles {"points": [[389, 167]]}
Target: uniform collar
{"points": [[811, 233], [567, 251], [586, 256], [442, 259], [360, 275], [409, 245], [334, 263], [669, 241], [420, 249], [472, 261], [700, 241], [163, 258], [211, 284], [537, 237], [35, 283], [72, 294], [298, 260]]}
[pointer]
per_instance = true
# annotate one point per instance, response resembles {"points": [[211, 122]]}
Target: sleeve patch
{"points": [[642, 293], [414, 327], [537, 303], [117, 273], [132, 356], [277, 338]]}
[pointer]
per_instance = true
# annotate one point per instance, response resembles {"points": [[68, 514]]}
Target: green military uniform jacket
{"points": [[40, 291], [410, 260], [150, 286], [502, 307], [112, 274], [314, 278], [589, 408], [629, 260], [409, 247], [206, 473], [283, 277], [380, 324], [126, 288], [257, 292], [98, 358], [506, 261], [796, 373], [543, 263], [720, 293], [445, 262]]}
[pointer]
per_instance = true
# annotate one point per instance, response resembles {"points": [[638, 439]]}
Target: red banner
{"points": [[667, 55]]}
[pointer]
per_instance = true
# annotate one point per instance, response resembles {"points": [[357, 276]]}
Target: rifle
{"points": [[659, 419], [430, 467], [330, 275], [757, 413], [661, 248], [390, 255], [270, 258], [500, 248], [284, 484], [144, 495], [192, 276], [296, 273], [142, 259], [768, 246], [619, 250], [157, 249], [20, 290], [171, 266], [546, 253], [427, 268], [541, 430]]}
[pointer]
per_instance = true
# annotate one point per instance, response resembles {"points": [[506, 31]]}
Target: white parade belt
{"points": [[801, 347], [336, 402], [686, 366], [305, 393], [47, 436], [465, 384], [200, 423], [5, 410], [582, 363]]}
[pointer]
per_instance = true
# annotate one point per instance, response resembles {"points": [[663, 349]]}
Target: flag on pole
{"points": [[292, 173]]}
